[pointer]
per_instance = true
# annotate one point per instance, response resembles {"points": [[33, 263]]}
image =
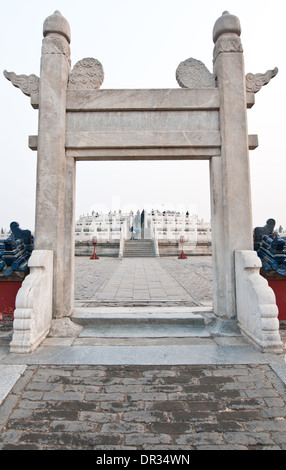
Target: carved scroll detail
{"points": [[27, 83], [86, 74], [254, 82], [257, 312], [33, 314], [193, 73]]}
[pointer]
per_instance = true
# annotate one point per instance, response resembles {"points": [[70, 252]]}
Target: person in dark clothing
{"points": [[142, 223], [142, 217]]}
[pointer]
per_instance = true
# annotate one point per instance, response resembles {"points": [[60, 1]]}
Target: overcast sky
{"points": [[140, 43]]}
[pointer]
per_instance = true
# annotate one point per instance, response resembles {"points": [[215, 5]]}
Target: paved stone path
{"points": [[170, 408], [154, 279], [221, 395]]}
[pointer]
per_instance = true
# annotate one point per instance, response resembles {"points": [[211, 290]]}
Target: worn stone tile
{"points": [[143, 407]]}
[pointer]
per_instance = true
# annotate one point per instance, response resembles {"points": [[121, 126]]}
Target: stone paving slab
{"points": [[144, 279], [146, 354], [145, 408], [8, 377]]}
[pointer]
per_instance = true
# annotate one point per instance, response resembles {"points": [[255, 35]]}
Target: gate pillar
{"points": [[229, 174], [52, 168]]}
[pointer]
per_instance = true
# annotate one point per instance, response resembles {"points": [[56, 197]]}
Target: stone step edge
{"points": [[143, 242], [140, 322], [182, 310], [168, 317], [148, 249], [135, 255], [85, 317], [138, 250]]}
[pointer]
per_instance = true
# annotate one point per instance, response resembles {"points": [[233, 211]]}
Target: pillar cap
{"points": [[56, 23], [227, 23]]}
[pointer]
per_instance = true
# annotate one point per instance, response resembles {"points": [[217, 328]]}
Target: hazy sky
{"points": [[140, 44]]}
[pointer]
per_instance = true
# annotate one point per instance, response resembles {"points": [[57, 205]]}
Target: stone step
{"points": [[139, 242], [190, 315], [137, 246], [141, 303], [139, 249], [138, 255], [147, 322]]}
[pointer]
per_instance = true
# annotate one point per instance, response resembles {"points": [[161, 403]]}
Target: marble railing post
{"points": [[52, 171], [231, 197]]}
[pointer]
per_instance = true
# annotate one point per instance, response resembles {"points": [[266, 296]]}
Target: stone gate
{"points": [[204, 118]]}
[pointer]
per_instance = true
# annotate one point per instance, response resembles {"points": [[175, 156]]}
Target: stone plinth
{"points": [[33, 314], [257, 312]]}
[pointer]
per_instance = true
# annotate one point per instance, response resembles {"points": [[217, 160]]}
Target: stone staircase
{"points": [[138, 249]]}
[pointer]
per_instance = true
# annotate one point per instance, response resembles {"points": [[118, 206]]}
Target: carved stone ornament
{"points": [[254, 82], [28, 84], [55, 44], [193, 73], [227, 43], [86, 74]]}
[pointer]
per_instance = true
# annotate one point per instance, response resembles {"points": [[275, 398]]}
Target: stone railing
{"points": [[169, 226]]}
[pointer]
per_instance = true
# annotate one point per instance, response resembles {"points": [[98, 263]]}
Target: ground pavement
{"points": [[120, 393], [167, 279]]}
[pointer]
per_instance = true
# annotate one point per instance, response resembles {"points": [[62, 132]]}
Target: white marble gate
{"points": [[204, 118]]}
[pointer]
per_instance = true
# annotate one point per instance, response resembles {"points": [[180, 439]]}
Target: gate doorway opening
{"points": [[114, 195]]}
